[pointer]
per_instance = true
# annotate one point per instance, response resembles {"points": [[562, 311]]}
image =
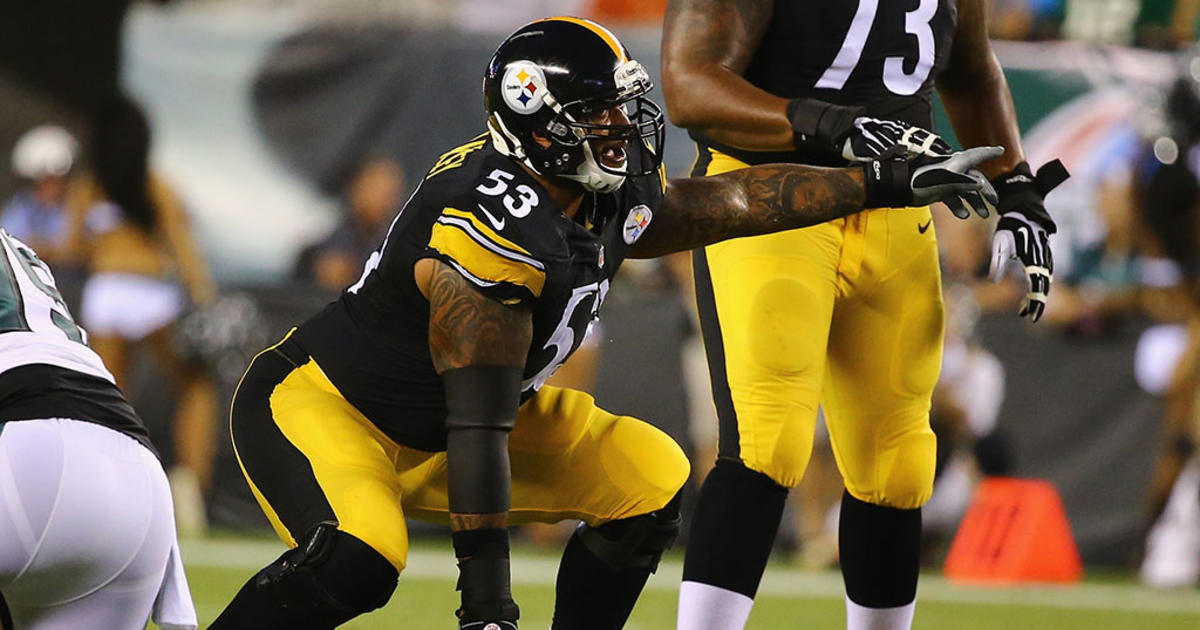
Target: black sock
{"points": [[592, 596], [880, 550], [733, 528]]}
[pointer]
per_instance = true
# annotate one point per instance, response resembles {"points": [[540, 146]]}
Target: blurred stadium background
{"points": [[291, 131]]}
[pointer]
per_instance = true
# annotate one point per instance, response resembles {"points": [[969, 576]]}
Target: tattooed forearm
{"points": [[467, 328], [762, 199]]}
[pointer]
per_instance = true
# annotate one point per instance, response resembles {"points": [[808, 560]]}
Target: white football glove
{"points": [[872, 137]]}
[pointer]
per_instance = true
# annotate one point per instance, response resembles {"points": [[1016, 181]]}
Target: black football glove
{"points": [[872, 137], [895, 180], [1023, 233]]}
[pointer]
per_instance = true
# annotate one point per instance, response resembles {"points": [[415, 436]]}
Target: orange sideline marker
{"points": [[1014, 531]]}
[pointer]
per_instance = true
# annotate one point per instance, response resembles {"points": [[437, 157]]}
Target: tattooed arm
{"points": [[478, 345], [467, 328], [707, 45], [774, 197], [698, 211]]}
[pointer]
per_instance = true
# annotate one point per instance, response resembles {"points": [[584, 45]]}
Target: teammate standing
{"points": [[847, 314], [419, 392], [87, 536]]}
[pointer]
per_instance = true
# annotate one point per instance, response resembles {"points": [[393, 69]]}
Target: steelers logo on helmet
{"points": [[524, 87]]}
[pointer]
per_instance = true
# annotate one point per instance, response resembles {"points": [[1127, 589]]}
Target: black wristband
{"points": [[887, 184], [821, 126], [484, 575]]}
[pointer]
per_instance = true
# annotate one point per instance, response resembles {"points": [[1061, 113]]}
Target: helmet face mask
{"points": [[547, 91]]}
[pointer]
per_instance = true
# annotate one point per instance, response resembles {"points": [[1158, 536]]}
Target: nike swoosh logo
{"points": [[922, 228], [496, 223]]}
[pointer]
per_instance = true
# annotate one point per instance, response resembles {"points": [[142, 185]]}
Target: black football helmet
{"points": [[550, 78]]}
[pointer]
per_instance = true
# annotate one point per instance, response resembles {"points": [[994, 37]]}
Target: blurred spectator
{"points": [[373, 198], [131, 230], [1167, 196], [42, 160]]}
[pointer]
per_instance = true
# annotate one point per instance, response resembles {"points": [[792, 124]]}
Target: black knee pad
{"points": [[637, 542], [329, 578]]}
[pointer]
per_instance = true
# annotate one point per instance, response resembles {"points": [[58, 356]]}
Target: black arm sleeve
{"points": [[481, 405]]}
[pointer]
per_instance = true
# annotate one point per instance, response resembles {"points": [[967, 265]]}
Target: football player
{"points": [[847, 314], [420, 391], [87, 535]]}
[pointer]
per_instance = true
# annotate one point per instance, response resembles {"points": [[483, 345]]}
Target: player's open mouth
{"points": [[612, 154]]}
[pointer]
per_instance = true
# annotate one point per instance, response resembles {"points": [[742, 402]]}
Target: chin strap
{"points": [[505, 142], [592, 177]]}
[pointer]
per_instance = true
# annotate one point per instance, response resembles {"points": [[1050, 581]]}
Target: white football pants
{"points": [[87, 535]]}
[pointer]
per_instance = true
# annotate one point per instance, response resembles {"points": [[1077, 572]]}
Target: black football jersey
{"points": [[881, 54], [482, 214]]}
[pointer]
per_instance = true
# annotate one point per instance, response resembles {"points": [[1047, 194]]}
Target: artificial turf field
{"points": [[789, 598]]}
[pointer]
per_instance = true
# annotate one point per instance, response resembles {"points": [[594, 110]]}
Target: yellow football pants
{"points": [[847, 314], [310, 456]]}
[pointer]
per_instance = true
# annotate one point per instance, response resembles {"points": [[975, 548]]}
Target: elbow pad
{"points": [[821, 127], [481, 406]]}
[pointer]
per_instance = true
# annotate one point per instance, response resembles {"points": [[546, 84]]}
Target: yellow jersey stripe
{"points": [[469, 228], [486, 230], [484, 264], [602, 32]]}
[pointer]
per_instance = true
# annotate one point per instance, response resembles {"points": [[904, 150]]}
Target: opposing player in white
{"points": [[87, 535]]}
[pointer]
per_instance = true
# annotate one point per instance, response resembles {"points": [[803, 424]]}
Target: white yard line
{"points": [[779, 581]]}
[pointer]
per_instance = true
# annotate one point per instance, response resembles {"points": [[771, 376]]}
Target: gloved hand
{"points": [[895, 180], [1023, 233], [872, 137], [487, 625]]}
